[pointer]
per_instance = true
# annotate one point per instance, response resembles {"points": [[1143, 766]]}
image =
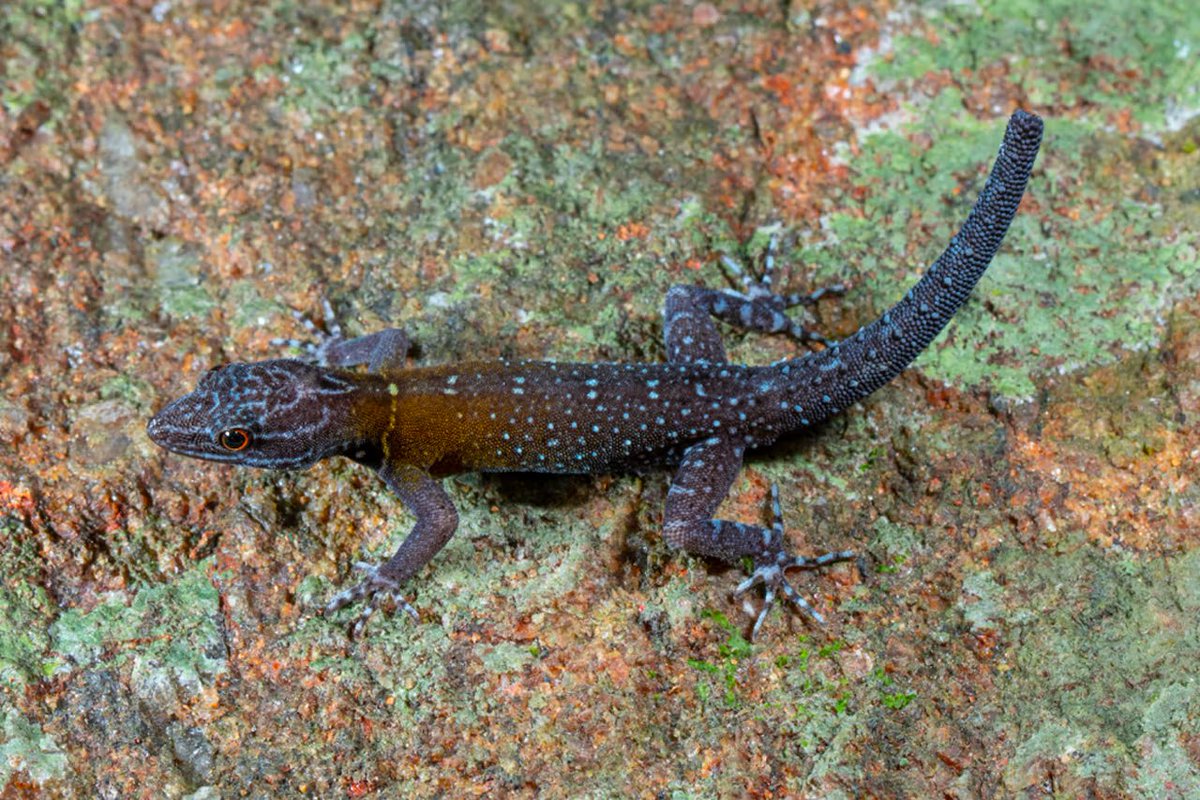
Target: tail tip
{"points": [[1025, 124]]}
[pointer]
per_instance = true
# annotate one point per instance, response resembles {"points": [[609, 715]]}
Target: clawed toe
{"points": [[374, 591], [772, 577], [774, 583], [322, 336], [765, 306]]}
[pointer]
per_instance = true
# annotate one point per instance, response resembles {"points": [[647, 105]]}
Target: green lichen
{"points": [[26, 748], [1167, 762], [20, 559], [23, 639], [38, 36], [505, 657], [323, 76], [169, 633], [987, 605], [894, 540], [1080, 617], [583, 276], [128, 389], [179, 277], [1116, 55], [250, 309], [403, 660], [1066, 291], [1061, 294]]}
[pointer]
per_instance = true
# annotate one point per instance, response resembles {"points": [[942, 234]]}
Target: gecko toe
{"points": [[360, 621], [768, 602], [344, 598], [374, 591], [774, 583], [771, 574]]}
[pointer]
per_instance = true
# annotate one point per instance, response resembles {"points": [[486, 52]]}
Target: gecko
{"points": [[696, 412]]}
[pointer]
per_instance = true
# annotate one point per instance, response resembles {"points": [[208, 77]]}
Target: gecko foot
{"points": [[321, 335], [771, 566], [762, 307], [385, 349], [373, 591]]}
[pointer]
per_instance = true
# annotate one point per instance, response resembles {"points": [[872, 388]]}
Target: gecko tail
{"points": [[878, 352]]}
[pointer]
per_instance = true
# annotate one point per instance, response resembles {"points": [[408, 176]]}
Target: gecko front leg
{"points": [[382, 351], [437, 520]]}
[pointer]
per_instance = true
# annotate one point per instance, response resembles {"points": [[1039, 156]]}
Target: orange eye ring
{"points": [[235, 439]]}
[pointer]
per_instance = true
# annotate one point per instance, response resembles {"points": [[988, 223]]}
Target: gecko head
{"points": [[279, 414]]}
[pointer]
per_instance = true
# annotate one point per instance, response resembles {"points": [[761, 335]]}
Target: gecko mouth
{"points": [[166, 432]]}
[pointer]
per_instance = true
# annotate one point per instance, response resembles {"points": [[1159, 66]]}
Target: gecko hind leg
{"points": [[692, 336], [705, 474]]}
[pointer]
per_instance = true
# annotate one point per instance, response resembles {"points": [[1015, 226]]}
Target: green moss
{"points": [[897, 700], [724, 668], [888, 696], [812, 704]]}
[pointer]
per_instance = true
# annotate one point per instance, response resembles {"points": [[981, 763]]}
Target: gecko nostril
{"points": [[154, 428]]}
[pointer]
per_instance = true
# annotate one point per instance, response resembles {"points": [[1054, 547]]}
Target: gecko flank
{"points": [[696, 412]]}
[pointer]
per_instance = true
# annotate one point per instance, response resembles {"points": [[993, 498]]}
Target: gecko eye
{"points": [[235, 439]]}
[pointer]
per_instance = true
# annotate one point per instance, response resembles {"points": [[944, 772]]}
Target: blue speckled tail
{"points": [[825, 383]]}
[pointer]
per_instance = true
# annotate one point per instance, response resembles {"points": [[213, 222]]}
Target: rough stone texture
{"points": [[527, 181]]}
